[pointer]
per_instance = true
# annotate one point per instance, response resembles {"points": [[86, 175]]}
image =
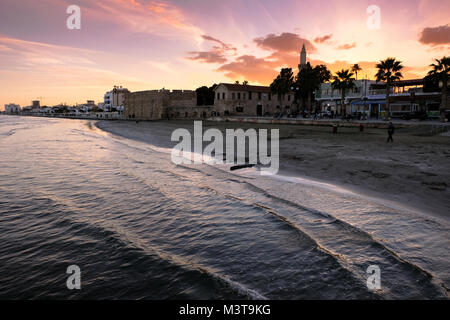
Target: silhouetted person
{"points": [[391, 130]]}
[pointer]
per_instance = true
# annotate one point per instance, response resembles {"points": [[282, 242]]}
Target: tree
{"points": [[440, 73], [205, 95], [389, 72], [343, 81], [322, 72], [282, 83], [355, 69], [308, 80], [431, 83], [323, 75]]}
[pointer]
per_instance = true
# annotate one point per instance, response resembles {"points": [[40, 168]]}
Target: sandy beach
{"points": [[146, 227], [413, 171]]}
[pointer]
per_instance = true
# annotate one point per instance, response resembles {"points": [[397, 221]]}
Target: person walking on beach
{"points": [[391, 130]]}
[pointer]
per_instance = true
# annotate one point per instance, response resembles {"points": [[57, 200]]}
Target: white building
{"points": [[101, 106], [12, 108], [115, 98], [329, 99], [88, 106]]}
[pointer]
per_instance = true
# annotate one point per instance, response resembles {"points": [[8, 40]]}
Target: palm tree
{"points": [[440, 72], [389, 72], [343, 81], [355, 69]]}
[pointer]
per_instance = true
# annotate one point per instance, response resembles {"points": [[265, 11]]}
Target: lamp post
{"points": [[296, 90]]}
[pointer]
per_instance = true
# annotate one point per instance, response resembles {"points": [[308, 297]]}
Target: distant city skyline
{"points": [[186, 44]]}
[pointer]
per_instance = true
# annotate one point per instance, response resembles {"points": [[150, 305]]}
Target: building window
{"points": [[218, 95], [289, 97], [259, 95], [270, 96], [233, 96], [244, 96], [239, 109], [250, 95], [223, 95], [239, 96]]}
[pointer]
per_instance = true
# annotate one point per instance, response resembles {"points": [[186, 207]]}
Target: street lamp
{"points": [[296, 89]]}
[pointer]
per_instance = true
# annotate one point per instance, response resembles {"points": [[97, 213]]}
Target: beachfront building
{"points": [[12, 108], [114, 99], [36, 104], [87, 107], [162, 104], [246, 100], [369, 98], [329, 99], [405, 97]]}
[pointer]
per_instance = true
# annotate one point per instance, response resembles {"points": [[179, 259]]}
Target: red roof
{"points": [[245, 87]]}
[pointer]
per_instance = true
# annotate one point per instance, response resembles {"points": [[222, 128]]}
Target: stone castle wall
{"points": [[157, 104]]}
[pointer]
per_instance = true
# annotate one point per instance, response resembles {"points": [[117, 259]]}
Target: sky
{"points": [[185, 44]]}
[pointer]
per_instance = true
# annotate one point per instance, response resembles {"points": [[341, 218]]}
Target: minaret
{"points": [[302, 58]]}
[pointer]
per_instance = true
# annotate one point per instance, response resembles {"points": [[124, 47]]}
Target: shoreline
{"points": [[374, 123], [362, 163]]}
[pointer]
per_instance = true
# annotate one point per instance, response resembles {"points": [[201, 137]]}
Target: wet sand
{"points": [[414, 171]]}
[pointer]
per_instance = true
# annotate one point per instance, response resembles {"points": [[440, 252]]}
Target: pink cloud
{"points": [[213, 56], [217, 54], [285, 42], [323, 39], [285, 53], [435, 36], [346, 46], [224, 45], [155, 17], [251, 68]]}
